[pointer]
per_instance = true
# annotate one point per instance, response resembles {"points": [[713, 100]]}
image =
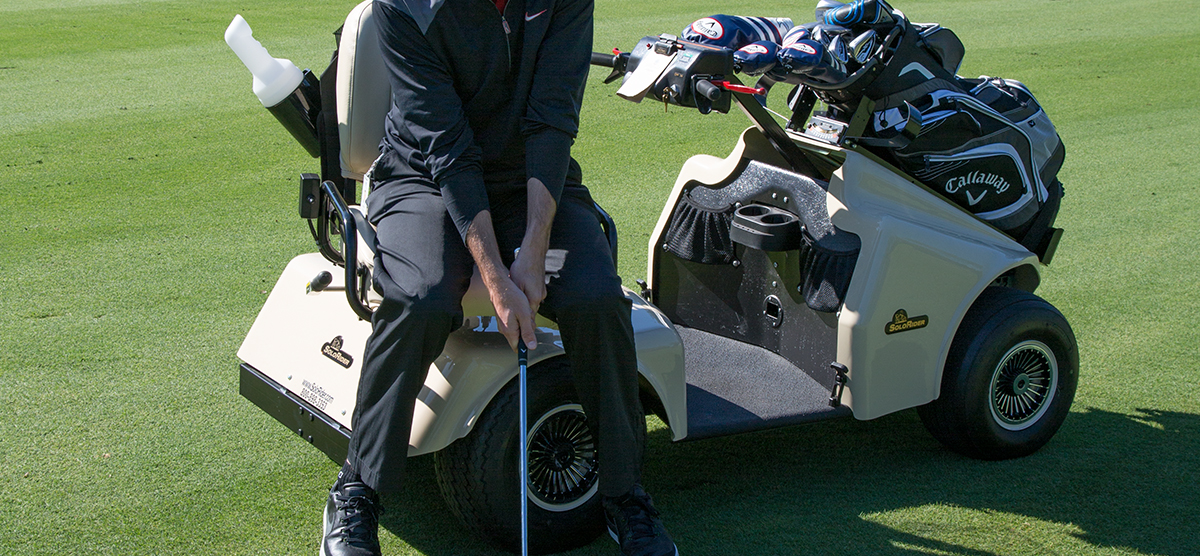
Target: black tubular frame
{"points": [[355, 275]]}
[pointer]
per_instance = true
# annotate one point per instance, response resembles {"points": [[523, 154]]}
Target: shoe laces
{"points": [[639, 515], [359, 518]]}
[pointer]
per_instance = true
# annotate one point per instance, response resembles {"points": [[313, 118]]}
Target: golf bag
{"points": [[984, 144], [988, 146]]}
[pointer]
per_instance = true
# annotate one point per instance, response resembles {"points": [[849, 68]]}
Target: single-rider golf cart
{"points": [[803, 277]]}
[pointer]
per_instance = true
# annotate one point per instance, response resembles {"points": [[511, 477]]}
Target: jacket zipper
{"points": [[507, 32]]}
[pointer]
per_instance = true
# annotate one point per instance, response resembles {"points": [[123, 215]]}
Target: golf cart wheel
{"points": [[1009, 380], [478, 473]]}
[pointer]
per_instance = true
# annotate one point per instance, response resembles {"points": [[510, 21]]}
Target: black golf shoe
{"points": [[634, 524], [352, 522]]}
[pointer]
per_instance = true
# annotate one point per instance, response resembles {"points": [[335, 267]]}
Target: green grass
{"points": [[150, 203]]}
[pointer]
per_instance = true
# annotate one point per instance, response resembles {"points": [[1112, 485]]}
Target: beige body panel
{"points": [[294, 329], [920, 254]]}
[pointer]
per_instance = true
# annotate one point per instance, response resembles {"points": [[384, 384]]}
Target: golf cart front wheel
{"points": [[478, 473], [1009, 380]]}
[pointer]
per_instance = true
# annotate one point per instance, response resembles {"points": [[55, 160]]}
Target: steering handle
{"points": [[604, 59], [707, 89]]}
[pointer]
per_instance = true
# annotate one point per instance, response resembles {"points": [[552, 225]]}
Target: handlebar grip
{"points": [[603, 59], [708, 90]]}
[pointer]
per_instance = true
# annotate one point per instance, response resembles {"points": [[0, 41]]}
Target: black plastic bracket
{"points": [[841, 376], [645, 293], [310, 196]]}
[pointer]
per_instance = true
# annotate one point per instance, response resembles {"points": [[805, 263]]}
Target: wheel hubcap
{"points": [[1023, 384], [562, 459]]}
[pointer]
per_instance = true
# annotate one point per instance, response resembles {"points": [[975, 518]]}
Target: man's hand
{"points": [[528, 273], [514, 313], [516, 293], [529, 269]]}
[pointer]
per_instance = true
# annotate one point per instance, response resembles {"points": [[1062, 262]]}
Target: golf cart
{"points": [[803, 277]]}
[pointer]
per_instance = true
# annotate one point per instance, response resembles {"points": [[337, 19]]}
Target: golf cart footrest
{"points": [[738, 387], [296, 414]]}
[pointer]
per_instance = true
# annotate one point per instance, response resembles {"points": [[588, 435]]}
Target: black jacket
{"points": [[481, 101]]}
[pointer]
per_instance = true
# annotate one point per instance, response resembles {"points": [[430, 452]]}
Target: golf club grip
{"points": [[603, 59]]}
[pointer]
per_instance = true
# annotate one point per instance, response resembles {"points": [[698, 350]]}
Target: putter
{"points": [[523, 466]]}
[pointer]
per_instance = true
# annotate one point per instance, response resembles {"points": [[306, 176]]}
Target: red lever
{"points": [[734, 87]]}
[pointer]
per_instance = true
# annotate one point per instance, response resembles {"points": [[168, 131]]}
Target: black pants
{"points": [[422, 269]]}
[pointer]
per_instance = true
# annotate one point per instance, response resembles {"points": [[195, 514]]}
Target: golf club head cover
{"points": [[798, 32], [825, 33], [735, 31], [811, 59], [860, 12], [756, 58], [826, 5]]}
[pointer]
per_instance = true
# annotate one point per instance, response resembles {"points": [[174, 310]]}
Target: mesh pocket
{"points": [[698, 233], [826, 273]]}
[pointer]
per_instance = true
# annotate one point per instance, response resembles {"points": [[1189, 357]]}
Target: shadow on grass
{"points": [[1107, 480]]}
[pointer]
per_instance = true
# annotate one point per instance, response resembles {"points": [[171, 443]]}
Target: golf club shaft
{"points": [[523, 467]]}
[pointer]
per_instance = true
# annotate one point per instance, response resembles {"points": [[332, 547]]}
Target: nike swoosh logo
{"points": [[974, 200], [531, 17]]}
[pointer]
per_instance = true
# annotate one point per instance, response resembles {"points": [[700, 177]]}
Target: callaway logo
{"points": [[754, 49], [531, 17], [709, 27], [997, 183]]}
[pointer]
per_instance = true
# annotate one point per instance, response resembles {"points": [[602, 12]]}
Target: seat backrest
{"points": [[363, 93]]}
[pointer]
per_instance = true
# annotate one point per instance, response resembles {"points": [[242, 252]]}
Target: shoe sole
{"points": [[613, 535], [324, 528]]}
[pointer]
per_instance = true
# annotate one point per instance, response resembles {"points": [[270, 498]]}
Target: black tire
{"points": [[478, 473], [1009, 380]]}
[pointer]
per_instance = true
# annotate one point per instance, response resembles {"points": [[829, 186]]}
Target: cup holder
{"points": [[766, 228]]}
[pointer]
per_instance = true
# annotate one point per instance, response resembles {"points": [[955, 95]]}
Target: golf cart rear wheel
{"points": [[1009, 380], [478, 473]]}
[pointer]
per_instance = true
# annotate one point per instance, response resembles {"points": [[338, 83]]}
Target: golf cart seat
{"points": [[363, 93]]}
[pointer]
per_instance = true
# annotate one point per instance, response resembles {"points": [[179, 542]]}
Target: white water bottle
{"points": [[274, 78]]}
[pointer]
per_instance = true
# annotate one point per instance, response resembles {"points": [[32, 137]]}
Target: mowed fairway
{"points": [[149, 204]]}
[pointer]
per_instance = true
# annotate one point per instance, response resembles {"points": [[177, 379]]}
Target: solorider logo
{"points": [[333, 350], [901, 322]]}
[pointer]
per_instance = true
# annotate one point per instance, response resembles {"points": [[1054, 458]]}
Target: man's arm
{"points": [[529, 269], [514, 312], [551, 123], [434, 126], [552, 110], [436, 129]]}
